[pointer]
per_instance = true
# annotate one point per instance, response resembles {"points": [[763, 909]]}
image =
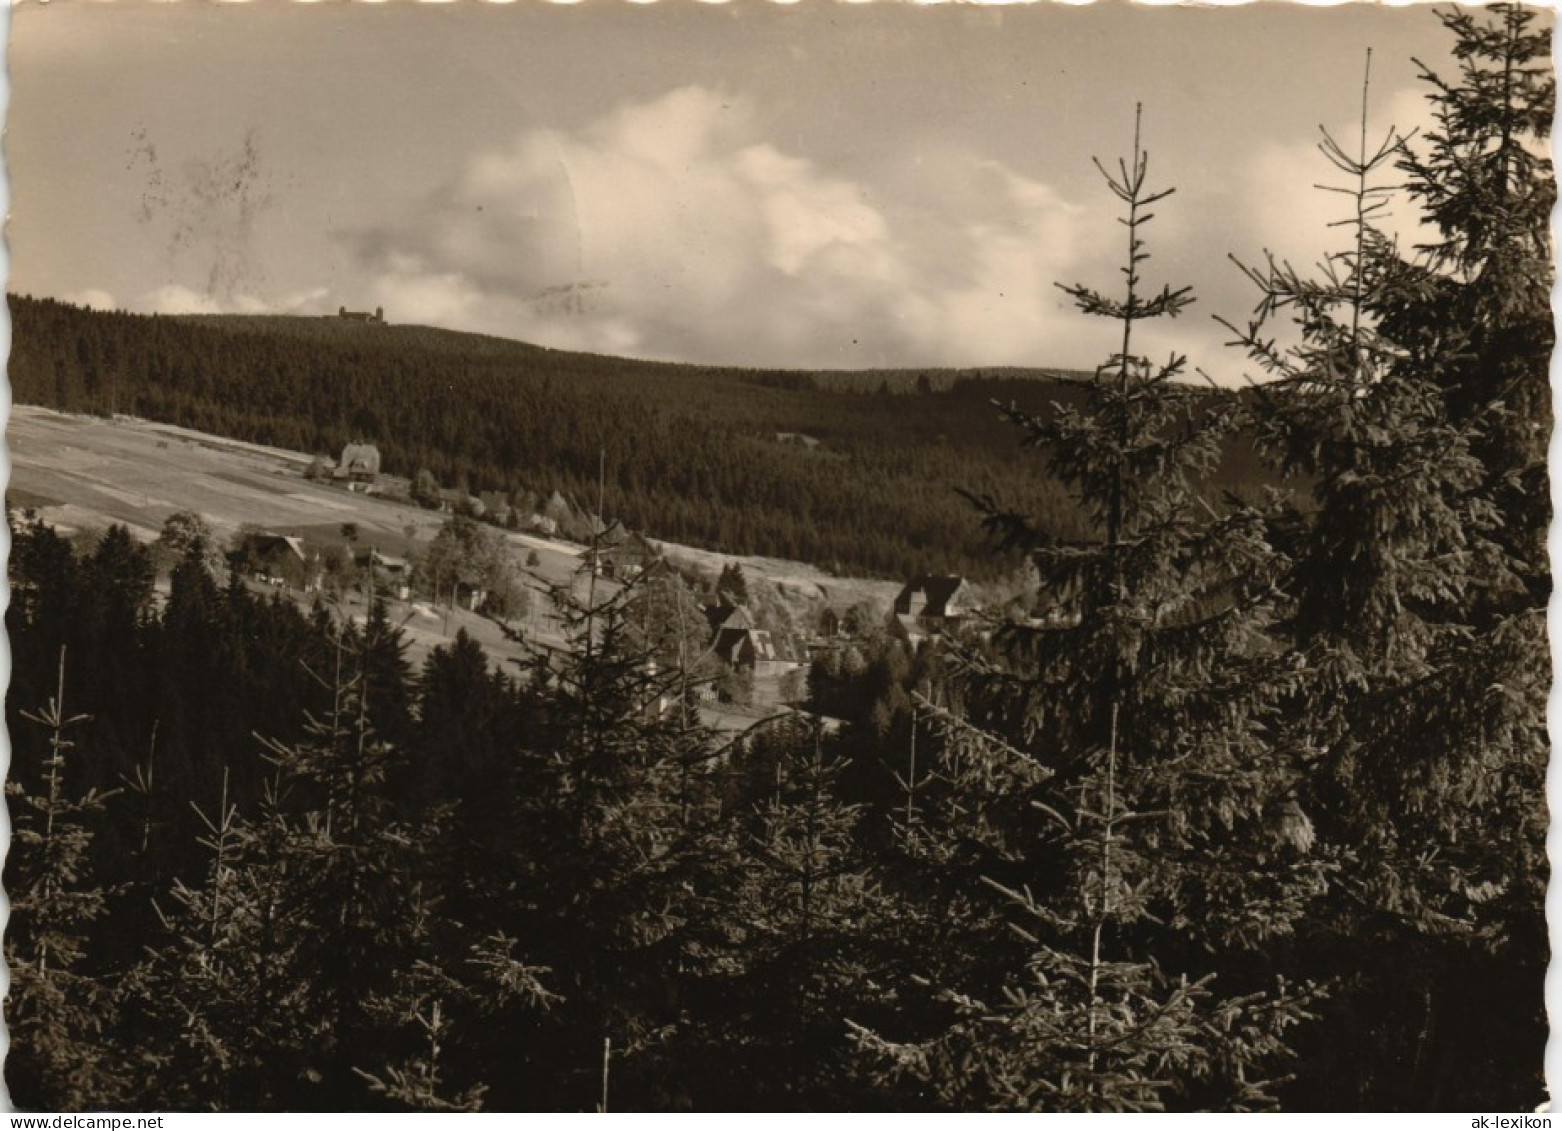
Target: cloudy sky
{"points": [[806, 185]]}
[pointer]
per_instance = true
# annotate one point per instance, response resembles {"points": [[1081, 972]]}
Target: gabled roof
{"points": [[938, 591], [736, 645], [774, 646], [722, 617], [379, 560], [628, 546], [729, 644], [274, 543], [361, 458]]}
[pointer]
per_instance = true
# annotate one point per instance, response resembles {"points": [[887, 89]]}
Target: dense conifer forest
{"points": [[1245, 811], [693, 453]]}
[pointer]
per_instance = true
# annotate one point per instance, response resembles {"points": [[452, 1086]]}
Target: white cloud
{"points": [[176, 298], [808, 216], [673, 228], [92, 298], [310, 300], [1300, 221], [678, 228]]}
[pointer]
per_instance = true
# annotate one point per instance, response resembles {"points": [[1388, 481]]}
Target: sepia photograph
{"points": [[774, 557]]}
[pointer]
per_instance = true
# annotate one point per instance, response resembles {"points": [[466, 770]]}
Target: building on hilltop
{"points": [[798, 439], [363, 316]]}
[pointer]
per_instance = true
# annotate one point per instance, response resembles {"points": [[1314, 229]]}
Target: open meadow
{"points": [[82, 474]]}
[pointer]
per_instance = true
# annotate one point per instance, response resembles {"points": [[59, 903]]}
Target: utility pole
{"points": [[607, 1057]]}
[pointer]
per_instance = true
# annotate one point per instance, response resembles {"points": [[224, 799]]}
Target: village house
{"points": [[723, 618], [624, 554], [452, 501], [470, 596], [769, 655], [495, 507], [933, 604], [276, 559], [359, 466], [387, 575], [740, 645]]}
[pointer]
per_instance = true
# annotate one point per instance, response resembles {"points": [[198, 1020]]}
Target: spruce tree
{"points": [[59, 1012], [803, 926], [220, 1005], [1393, 394], [1118, 764], [624, 804], [302, 969], [1483, 179]]}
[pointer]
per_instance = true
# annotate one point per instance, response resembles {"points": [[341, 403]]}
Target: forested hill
{"points": [[693, 454]]}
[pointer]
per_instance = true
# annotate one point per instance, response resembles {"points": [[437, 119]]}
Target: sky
{"points": [[800, 186]]}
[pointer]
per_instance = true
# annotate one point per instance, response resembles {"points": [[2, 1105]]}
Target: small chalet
{"points": [[738, 644], [768, 654], [276, 559], [470, 596], [452, 501], [388, 574], [933, 603], [495, 507], [359, 465], [626, 554]]}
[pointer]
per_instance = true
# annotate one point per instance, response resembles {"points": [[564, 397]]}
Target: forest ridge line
{"points": [[854, 472]]}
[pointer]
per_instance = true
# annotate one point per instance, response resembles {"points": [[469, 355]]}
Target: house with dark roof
{"points": [[359, 465], [363, 316], [389, 575], [934, 603], [624, 554], [453, 501], [276, 559], [723, 616], [495, 507], [768, 654], [739, 644]]}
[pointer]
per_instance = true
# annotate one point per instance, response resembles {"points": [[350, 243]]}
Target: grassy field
{"points": [[84, 473]]}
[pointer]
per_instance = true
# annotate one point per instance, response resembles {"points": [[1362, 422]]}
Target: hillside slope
{"points": [[81, 474], [709, 457]]}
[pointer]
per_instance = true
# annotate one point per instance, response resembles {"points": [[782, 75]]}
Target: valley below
{"points": [[81, 474]]}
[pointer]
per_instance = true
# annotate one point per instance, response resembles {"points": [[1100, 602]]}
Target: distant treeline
{"points": [[692, 454]]}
